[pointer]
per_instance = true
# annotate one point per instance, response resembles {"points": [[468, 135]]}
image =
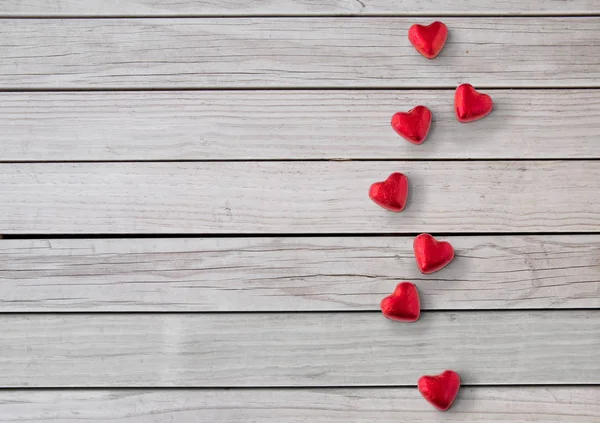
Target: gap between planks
{"points": [[276, 160], [93, 236], [284, 88], [430, 16]]}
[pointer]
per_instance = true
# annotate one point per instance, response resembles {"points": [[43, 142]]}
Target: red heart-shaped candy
{"points": [[390, 194], [428, 40], [413, 125], [432, 255], [403, 305], [441, 390], [471, 105]]}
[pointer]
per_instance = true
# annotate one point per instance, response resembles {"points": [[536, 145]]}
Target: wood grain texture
{"points": [[248, 125], [293, 274], [292, 7], [297, 197], [285, 52], [359, 405], [297, 349]]}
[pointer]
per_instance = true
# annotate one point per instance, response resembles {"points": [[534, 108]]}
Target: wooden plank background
{"points": [[185, 231], [358, 405], [249, 125], [297, 197], [294, 7], [295, 53], [300, 274], [298, 349]]}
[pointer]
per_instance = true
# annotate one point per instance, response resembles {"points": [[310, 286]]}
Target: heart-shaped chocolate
{"points": [[432, 255], [441, 390], [413, 125], [390, 194], [471, 105], [403, 305], [428, 40]]}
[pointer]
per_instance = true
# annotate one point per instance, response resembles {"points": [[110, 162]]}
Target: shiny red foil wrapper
{"points": [[428, 40], [471, 105], [392, 193], [413, 125], [403, 305], [432, 255], [440, 390]]}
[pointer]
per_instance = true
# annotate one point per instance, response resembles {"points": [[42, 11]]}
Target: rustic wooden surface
{"points": [[185, 232], [295, 53], [297, 197], [298, 349], [248, 125], [301, 274], [137, 8], [358, 405]]}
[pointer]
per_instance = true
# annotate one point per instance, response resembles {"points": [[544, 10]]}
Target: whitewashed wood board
{"points": [[293, 7], [285, 52], [297, 197], [226, 125], [297, 349], [293, 274], [358, 405]]}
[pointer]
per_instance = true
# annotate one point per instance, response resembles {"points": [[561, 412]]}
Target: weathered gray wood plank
{"points": [[297, 349], [297, 197], [291, 7], [359, 405], [286, 52], [289, 274], [228, 125]]}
